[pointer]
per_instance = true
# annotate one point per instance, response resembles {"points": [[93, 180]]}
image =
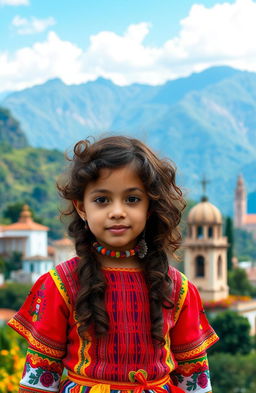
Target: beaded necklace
{"points": [[121, 254]]}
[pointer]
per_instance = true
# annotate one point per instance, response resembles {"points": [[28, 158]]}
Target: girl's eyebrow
{"points": [[105, 191]]}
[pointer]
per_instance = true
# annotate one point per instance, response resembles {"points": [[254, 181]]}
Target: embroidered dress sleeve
{"points": [[42, 321], [41, 373], [191, 336]]}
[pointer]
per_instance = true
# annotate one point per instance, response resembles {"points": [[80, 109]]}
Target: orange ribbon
{"points": [[138, 386]]}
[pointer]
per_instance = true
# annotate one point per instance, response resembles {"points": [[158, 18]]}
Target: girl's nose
{"points": [[117, 211]]}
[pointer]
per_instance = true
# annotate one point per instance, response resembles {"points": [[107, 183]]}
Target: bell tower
{"points": [[206, 251], [240, 204]]}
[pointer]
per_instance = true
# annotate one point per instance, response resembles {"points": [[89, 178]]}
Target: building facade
{"points": [[242, 219], [206, 251]]}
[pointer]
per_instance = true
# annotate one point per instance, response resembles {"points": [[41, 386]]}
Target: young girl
{"points": [[117, 317]]}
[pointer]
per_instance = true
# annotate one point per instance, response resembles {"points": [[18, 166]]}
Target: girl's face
{"points": [[115, 207]]}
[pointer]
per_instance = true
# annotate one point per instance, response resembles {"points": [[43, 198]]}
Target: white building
{"points": [[25, 236], [206, 251], [31, 240], [206, 260]]}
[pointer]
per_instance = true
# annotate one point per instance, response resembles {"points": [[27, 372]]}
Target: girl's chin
{"points": [[118, 246]]}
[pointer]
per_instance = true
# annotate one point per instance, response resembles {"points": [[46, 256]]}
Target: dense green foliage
{"points": [[244, 245], [233, 374], [11, 263], [8, 335], [239, 284], [229, 233], [11, 134], [13, 295], [29, 176], [234, 333]]}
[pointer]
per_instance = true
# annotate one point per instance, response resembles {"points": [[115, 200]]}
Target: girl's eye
{"points": [[133, 199], [101, 200]]}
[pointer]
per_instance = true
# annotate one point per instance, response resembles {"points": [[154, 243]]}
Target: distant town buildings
{"points": [[31, 240], [206, 251], [206, 262], [24, 236], [242, 219]]}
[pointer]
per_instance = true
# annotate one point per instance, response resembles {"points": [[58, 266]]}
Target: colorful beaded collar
{"points": [[116, 254]]}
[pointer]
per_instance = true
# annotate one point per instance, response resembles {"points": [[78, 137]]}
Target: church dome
{"points": [[204, 213]]}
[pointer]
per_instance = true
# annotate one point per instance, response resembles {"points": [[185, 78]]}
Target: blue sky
{"points": [[79, 19], [127, 41]]}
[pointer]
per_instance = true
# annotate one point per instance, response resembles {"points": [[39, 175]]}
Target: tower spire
{"points": [[204, 183]]}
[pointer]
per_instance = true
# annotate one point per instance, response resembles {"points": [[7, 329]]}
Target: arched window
{"points": [[199, 232], [210, 232], [200, 266], [219, 267]]}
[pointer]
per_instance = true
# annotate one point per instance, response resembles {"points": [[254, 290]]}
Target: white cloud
{"points": [[32, 26], [14, 2], [222, 34], [34, 65]]}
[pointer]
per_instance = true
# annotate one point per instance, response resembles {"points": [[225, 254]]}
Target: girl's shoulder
{"points": [[180, 286], [65, 277], [68, 267], [179, 280]]}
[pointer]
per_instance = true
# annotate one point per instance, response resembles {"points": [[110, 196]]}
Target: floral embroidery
{"points": [[198, 379], [47, 379], [193, 375], [41, 371], [38, 304], [202, 380]]}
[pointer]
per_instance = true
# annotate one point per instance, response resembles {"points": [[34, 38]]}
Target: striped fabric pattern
{"points": [[129, 342]]}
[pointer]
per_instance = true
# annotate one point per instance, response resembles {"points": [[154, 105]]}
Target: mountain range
{"points": [[206, 123]]}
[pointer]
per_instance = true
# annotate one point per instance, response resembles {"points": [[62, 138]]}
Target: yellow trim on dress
{"points": [[33, 341], [83, 354], [61, 288], [168, 357], [182, 296], [190, 354]]}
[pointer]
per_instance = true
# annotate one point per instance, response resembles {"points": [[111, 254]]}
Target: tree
{"points": [[13, 295], [13, 262], [234, 333], [244, 245], [229, 234], [233, 374], [239, 284], [12, 211]]}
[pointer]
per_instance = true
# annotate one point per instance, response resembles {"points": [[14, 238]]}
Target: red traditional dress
{"points": [[47, 320]]}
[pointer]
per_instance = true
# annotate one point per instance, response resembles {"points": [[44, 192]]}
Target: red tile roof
{"points": [[25, 223]]}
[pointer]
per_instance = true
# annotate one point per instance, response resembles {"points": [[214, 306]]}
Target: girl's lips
{"points": [[118, 230]]}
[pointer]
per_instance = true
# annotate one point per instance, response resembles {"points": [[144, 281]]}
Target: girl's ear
{"points": [[79, 206]]}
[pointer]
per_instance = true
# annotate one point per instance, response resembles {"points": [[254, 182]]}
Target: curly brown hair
{"points": [[161, 233]]}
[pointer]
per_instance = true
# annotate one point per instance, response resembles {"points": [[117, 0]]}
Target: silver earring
{"points": [[142, 246], [85, 223]]}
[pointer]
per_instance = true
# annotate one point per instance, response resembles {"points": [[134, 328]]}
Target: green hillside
{"points": [[206, 123], [28, 175], [10, 131]]}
